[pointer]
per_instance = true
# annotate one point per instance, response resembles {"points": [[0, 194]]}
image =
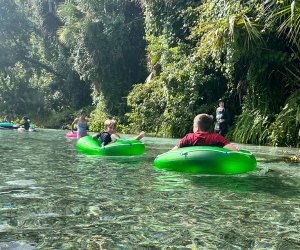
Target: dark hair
{"points": [[82, 112], [220, 100], [204, 122]]}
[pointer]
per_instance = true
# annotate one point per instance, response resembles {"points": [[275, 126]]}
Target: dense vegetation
{"points": [[154, 64]]}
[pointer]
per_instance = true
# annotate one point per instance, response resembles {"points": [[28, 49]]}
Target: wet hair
{"points": [[109, 123], [204, 122]]}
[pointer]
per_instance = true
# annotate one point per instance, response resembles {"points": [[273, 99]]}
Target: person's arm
{"points": [[73, 123], [231, 147], [96, 136], [225, 118], [223, 142], [185, 141], [139, 136], [217, 116]]}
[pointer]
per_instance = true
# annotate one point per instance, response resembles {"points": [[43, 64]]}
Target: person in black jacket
{"points": [[222, 119], [26, 123]]}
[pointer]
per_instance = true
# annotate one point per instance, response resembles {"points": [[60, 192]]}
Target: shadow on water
{"points": [[167, 181], [270, 185], [112, 161]]}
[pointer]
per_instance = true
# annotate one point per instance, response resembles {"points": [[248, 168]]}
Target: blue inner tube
{"points": [[8, 125]]}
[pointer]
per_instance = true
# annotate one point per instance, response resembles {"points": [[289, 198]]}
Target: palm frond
{"points": [[285, 15]]}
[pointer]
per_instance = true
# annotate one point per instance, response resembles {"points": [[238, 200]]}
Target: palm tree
{"points": [[285, 15]]}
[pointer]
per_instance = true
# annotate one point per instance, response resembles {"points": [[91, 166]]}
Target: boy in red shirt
{"points": [[202, 136]]}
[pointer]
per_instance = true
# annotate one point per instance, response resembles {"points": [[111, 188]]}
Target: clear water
{"points": [[51, 197]]}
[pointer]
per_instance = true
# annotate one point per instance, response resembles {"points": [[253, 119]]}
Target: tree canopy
{"points": [[151, 69]]}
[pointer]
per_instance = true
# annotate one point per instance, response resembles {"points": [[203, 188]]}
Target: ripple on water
{"points": [[21, 183], [16, 246], [54, 198]]}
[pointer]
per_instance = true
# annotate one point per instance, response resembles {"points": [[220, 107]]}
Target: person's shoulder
{"points": [[216, 135], [190, 134], [220, 138]]}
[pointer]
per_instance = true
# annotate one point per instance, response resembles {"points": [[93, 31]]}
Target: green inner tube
{"points": [[88, 145], [206, 160]]}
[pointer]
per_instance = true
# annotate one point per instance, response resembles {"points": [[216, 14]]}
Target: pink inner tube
{"points": [[71, 134]]}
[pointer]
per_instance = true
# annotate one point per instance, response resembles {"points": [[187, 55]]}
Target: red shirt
{"points": [[202, 139]]}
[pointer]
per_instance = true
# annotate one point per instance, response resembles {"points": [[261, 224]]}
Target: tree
{"points": [[105, 38]]}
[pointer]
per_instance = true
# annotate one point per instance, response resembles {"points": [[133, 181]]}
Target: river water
{"points": [[51, 197]]}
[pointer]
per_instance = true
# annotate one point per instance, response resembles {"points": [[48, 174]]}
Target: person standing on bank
{"points": [[222, 119]]}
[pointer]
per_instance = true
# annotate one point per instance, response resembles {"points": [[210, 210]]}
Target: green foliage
{"points": [[14, 34], [285, 130], [148, 104], [98, 115], [17, 95], [56, 119], [213, 49], [36, 75], [251, 127], [105, 39], [54, 53], [285, 16]]}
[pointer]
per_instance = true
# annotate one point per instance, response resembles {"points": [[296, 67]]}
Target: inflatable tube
{"points": [[9, 125], [206, 160], [71, 134], [88, 145], [6, 125]]}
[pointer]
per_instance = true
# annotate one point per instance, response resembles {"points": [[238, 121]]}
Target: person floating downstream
{"points": [[26, 123], [109, 134], [202, 137]]}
